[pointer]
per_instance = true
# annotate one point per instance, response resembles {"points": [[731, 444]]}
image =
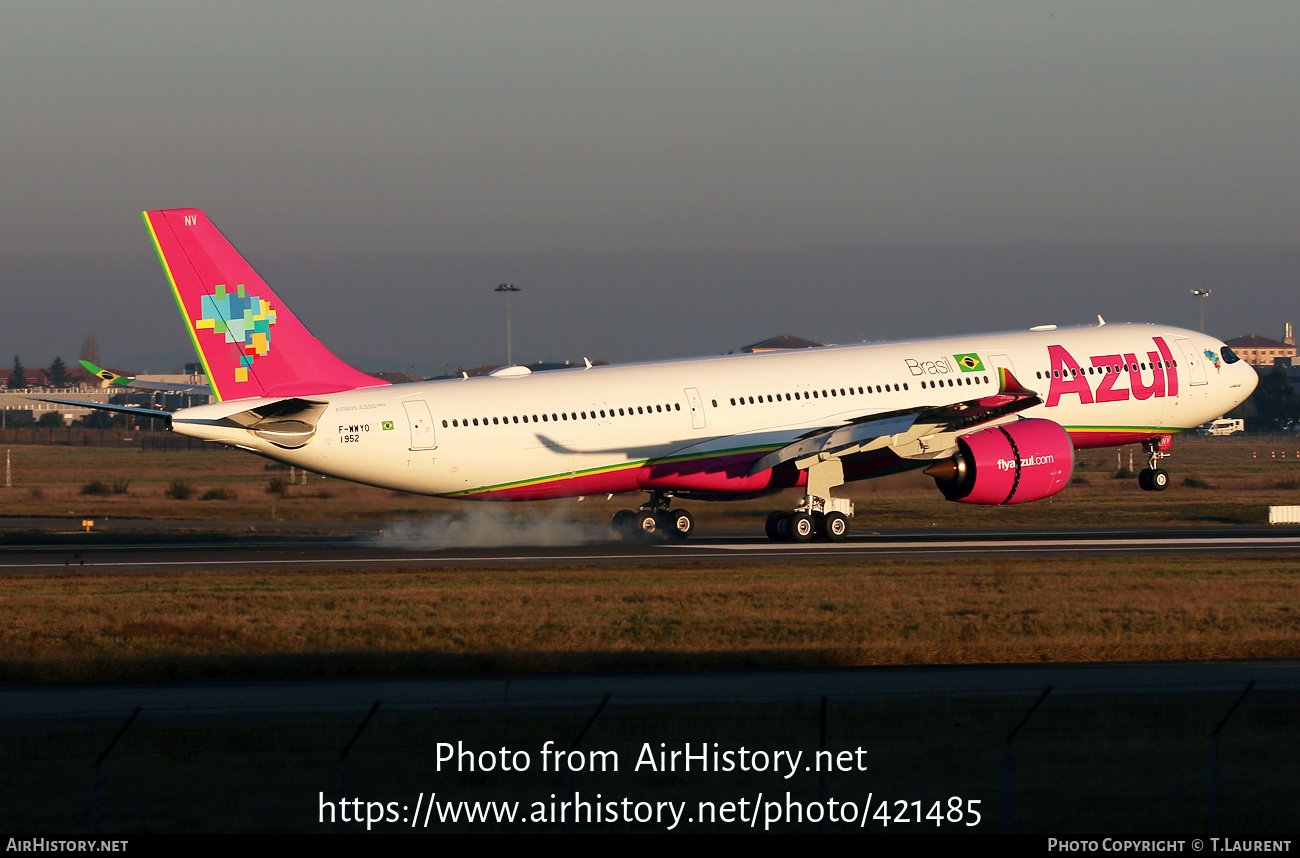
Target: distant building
{"points": [[779, 343], [540, 366], [1261, 351], [175, 378], [397, 377]]}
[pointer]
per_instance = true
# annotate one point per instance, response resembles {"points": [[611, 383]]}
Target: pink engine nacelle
{"points": [[1019, 462]]}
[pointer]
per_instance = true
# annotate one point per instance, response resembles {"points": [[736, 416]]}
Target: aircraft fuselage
{"points": [[697, 425]]}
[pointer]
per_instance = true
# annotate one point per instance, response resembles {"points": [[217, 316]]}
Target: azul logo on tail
{"points": [[233, 317], [245, 320], [1069, 378]]}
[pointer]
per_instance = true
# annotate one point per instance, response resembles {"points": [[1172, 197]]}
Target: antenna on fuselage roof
{"points": [[1101, 323]]}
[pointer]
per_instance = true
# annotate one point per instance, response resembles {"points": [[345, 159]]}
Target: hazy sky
{"points": [[661, 178]]}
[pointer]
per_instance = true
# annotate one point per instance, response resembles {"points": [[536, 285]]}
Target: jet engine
{"points": [[1027, 460]]}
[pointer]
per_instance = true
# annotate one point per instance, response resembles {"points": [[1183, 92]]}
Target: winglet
{"points": [[1009, 386], [1011, 396], [250, 343], [106, 374]]}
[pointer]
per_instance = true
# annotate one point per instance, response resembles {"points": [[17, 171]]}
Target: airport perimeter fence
{"points": [[70, 436], [1178, 761]]}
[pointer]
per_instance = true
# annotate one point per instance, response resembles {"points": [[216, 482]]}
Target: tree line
{"points": [[57, 375]]}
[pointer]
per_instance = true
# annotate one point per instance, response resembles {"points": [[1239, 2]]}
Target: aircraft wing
{"points": [[104, 406], [126, 381], [926, 432]]}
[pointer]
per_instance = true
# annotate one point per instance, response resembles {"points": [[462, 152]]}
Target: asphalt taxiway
{"points": [[376, 550]]}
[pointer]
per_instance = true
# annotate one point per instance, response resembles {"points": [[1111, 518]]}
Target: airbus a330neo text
{"points": [[993, 418]]}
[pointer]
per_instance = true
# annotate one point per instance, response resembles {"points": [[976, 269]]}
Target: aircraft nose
{"points": [[1248, 380]]}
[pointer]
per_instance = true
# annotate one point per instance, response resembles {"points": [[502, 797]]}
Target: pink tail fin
{"points": [[249, 342]]}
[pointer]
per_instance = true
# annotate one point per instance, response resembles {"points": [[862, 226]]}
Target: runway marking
{"points": [[1011, 543], [673, 552], [334, 561]]}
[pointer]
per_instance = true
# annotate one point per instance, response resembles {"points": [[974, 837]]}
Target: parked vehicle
{"points": [[1223, 426]]}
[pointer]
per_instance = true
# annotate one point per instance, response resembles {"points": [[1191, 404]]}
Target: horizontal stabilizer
{"points": [[104, 406], [288, 423]]}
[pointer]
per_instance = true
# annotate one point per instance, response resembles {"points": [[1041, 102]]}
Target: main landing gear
{"points": [[818, 516], [653, 520], [804, 526], [1152, 478]]}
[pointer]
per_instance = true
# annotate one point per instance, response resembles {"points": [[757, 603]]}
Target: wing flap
{"points": [[917, 432], [837, 439]]}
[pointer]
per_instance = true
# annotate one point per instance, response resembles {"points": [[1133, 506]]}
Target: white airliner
{"points": [[993, 418]]}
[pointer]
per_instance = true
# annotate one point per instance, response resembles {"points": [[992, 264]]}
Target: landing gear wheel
{"points": [[835, 526], [1159, 479], [679, 524], [644, 525], [621, 521], [802, 527], [778, 526], [1144, 480]]}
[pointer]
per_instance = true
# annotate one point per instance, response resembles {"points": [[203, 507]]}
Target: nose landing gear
{"points": [[1153, 478]]}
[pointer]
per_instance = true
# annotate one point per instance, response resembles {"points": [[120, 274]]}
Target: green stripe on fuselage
{"points": [[605, 469]]}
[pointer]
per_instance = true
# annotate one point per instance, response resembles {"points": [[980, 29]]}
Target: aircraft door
{"points": [[697, 407], [1195, 362], [417, 414], [1001, 360]]}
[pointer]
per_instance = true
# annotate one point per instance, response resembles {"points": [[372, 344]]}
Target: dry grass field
{"points": [[1101, 764], [680, 616], [653, 616], [1215, 481]]}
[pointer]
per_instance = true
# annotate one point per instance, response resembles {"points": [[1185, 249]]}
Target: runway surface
{"points": [[305, 552]]}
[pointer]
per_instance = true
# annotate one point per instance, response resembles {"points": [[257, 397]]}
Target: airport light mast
{"points": [[510, 289], [1202, 294]]}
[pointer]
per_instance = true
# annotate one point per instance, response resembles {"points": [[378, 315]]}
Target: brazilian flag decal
{"points": [[969, 362], [387, 424]]}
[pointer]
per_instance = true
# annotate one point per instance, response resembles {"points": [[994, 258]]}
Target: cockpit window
{"points": [[1229, 356]]}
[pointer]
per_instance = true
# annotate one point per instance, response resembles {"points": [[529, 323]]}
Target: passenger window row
{"points": [[957, 382], [1104, 370], [852, 391], [827, 393], [562, 416]]}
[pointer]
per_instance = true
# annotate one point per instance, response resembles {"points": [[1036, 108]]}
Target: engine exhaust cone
{"points": [[947, 470]]}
